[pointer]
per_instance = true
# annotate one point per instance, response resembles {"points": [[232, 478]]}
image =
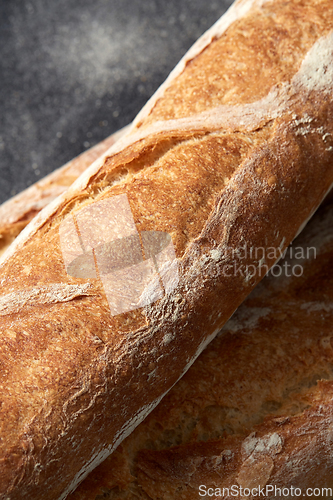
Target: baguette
{"points": [[80, 368], [255, 407], [17, 212], [228, 359], [198, 415]]}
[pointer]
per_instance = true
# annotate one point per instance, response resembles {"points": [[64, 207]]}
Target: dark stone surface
{"points": [[74, 71]]}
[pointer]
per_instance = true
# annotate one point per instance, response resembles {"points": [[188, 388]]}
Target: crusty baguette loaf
{"points": [[172, 424], [255, 407], [212, 402], [17, 212], [231, 170]]}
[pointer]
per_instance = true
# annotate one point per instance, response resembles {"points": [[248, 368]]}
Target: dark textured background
{"points": [[74, 71]]}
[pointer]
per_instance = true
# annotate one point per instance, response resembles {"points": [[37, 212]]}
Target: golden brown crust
{"points": [[256, 405], [75, 378], [228, 70]]}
